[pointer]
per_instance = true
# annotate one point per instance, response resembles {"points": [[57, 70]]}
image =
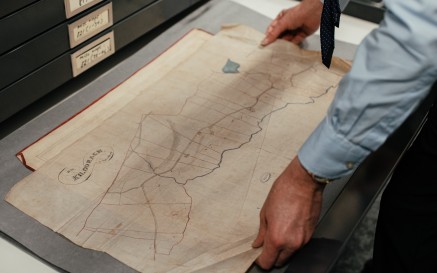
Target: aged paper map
{"points": [[168, 172]]}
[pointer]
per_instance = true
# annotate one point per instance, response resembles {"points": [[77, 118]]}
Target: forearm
{"points": [[392, 72]]}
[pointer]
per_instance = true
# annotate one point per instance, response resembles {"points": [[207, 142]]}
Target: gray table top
{"points": [[44, 115]]}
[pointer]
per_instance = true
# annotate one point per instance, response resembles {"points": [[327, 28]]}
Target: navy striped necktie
{"points": [[330, 19]]}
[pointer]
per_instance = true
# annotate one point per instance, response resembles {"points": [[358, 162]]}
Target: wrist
{"points": [[316, 178], [304, 177]]}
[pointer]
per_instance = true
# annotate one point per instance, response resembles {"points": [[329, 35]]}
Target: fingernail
{"points": [[274, 23], [256, 244], [270, 29], [264, 42]]}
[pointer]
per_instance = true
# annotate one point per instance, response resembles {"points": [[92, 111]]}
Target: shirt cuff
{"points": [[328, 154]]}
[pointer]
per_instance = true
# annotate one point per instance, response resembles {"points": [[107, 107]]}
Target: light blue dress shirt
{"points": [[393, 70]]}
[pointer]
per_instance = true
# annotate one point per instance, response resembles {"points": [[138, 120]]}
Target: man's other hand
{"points": [[296, 23], [289, 215]]}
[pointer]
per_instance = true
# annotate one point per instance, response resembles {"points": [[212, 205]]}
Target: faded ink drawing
{"points": [[175, 178]]}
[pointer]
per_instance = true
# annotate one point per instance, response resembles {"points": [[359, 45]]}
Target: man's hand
{"points": [[296, 23], [289, 215]]}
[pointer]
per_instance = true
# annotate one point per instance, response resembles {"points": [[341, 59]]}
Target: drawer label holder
{"points": [[88, 26], [92, 54], [73, 7]]}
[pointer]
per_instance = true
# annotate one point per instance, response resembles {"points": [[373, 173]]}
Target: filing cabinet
{"points": [[369, 10], [49, 42], [8, 7]]}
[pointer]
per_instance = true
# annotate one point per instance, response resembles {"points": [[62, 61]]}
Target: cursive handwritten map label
{"points": [[78, 175], [73, 7], [90, 25], [92, 54]]}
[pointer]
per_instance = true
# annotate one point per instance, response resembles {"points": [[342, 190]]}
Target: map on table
{"points": [[168, 171]]}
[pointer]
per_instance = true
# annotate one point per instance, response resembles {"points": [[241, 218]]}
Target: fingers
{"points": [[281, 14], [298, 38], [275, 254], [259, 241], [275, 28], [275, 251], [271, 34], [284, 255], [268, 256], [286, 22]]}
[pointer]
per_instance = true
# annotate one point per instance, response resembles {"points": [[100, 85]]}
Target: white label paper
{"points": [[93, 53], [73, 7], [90, 25]]}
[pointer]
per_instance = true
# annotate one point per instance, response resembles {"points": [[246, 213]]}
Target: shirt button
{"points": [[350, 165]]}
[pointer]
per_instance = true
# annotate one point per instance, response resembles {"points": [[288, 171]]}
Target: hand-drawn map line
{"points": [[138, 139]]}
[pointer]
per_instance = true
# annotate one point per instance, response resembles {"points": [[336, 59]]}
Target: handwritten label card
{"points": [[90, 25], [90, 55], [73, 7]]}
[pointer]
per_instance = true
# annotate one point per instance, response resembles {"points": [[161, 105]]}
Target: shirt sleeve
{"points": [[393, 70]]}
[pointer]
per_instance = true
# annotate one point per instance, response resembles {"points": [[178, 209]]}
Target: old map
{"points": [[169, 174]]}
